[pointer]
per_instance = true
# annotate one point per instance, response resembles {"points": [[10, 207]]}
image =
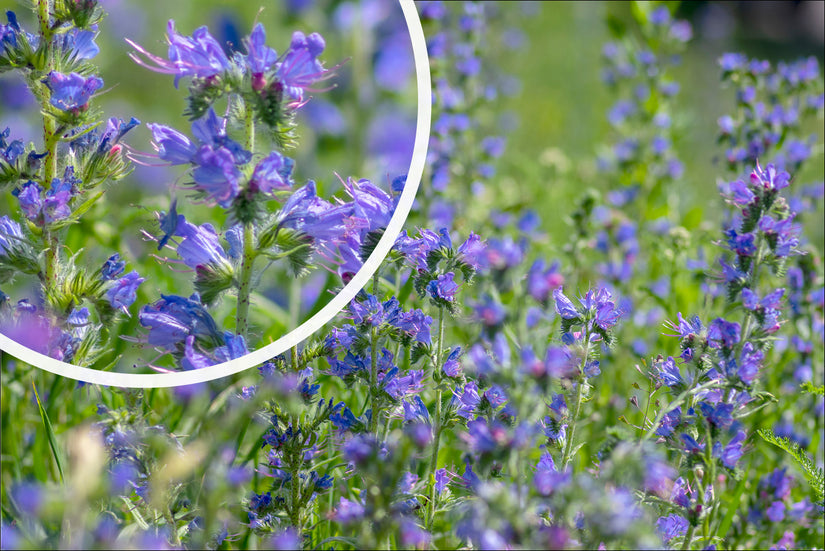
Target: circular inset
{"points": [[313, 324]]}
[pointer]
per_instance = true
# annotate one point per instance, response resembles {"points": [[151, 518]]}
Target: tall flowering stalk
{"points": [[57, 186]]}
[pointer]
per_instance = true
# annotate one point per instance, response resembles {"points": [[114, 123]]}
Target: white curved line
{"points": [[313, 324]]}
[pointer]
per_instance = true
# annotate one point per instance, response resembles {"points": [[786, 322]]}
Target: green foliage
{"points": [[815, 476], [807, 386]]}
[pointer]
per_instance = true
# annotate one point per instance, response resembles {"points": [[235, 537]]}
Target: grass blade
{"points": [[49, 434]]}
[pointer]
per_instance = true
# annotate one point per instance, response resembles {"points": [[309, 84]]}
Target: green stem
{"points": [[374, 380], [242, 310], [249, 127], [295, 516], [568, 445], [688, 538], [50, 139], [650, 391], [437, 426]]}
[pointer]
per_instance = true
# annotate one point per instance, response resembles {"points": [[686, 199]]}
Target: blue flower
{"points": [[564, 307], [723, 334], [31, 203], [216, 174], [668, 372], [416, 324], [200, 245], [467, 400], [122, 293], [272, 173], [71, 92], [172, 146], [489, 312], [769, 178], [672, 526], [372, 205], [451, 367], [80, 43], [200, 56], [300, 68], [443, 288], [259, 57], [172, 318], [542, 279]]}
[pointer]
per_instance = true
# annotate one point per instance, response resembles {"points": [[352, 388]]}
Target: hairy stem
{"points": [[374, 393], [50, 139], [568, 445], [437, 425], [242, 310]]}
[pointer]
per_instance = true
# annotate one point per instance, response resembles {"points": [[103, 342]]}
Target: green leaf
{"points": [[807, 386], [815, 476], [49, 433]]}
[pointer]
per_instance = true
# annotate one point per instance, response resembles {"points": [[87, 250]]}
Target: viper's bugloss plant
{"points": [[647, 379]]}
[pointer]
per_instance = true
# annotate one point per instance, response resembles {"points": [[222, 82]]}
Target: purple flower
{"points": [[273, 173], [452, 368], [541, 279], [172, 146], [216, 174], [172, 318], [305, 211], [776, 511], [489, 311], [259, 57], [372, 205], [443, 288], [719, 416], [286, 539], [200, 56], [123, 292], [416, 324], [300, 68], [723, 334], [559, 363], [472, 251], [200, 245], [80, 43], [742, 244], [31, 203], [413, 535], [691, 445], [547, 478], [668, 372], [415, 411], [783, 235], [112, 268], [658, 474], [731, 453], [71, 92], [348, 511], [467, 400], [770, 178], [564, 307], [671, 420], [672, 526]]}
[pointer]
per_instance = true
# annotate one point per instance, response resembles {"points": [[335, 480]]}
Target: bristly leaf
{"points": [[370, 242], [807, 386], [297, 248], [211, 280], [815, 476]]}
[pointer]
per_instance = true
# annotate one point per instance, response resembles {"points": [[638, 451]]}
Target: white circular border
{"points": [[313, 324]]}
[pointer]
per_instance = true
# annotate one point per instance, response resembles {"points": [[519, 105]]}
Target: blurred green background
{"points": [[561, 110]]}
